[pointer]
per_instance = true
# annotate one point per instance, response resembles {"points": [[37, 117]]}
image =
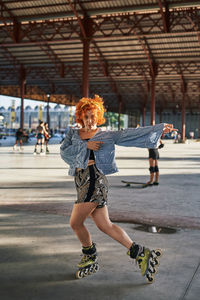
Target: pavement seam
{"points": [[130, 217], [190, 283]]}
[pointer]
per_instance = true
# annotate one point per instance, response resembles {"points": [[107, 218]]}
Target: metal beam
{"points": [[164, 15], [22, 89]]}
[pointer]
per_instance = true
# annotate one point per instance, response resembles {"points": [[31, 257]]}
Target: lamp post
{"points": [[48, 100]]}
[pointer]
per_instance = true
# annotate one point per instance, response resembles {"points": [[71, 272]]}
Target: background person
{"points": [[47, 136], [40, 138], [19, 137], [153, 165]]}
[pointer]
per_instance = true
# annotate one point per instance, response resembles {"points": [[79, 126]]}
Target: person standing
{"points": [[90, 154], [46, 136], [153, 165], [19, 137], [40, 138]]}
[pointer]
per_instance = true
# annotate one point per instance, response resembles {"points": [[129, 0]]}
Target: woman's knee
{"points": [[75, 224]]}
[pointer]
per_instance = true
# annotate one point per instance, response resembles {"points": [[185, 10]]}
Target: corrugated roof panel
{"points": [[126, 44], [37, 7]]}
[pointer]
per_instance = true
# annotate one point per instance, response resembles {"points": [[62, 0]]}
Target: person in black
{"points": [[153, 165], [19, 136], [47, 136], [40, 130]]}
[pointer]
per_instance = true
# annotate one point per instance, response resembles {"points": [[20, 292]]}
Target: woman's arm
{"points": [[72, 149], [143, 137]]}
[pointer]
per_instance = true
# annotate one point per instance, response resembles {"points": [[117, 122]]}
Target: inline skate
{"points": [[88, 264], [147, 260]]}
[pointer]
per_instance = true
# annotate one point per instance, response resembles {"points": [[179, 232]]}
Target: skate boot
{"points": [[35, 152], [42, 152], [47, 151], [14, 147], [156, 183], [88, 264], [147, 260], [149, 183]]}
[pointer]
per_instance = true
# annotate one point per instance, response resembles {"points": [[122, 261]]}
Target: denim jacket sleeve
{"points": [[73, 151], [143, 137]]}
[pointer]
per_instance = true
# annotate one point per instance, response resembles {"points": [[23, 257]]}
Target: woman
{"points": [[90, 154]]}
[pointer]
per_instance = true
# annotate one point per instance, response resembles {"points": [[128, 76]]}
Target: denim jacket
{"points": [[75, 153]]}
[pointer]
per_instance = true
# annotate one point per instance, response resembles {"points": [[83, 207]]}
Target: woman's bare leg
{"points": [[102, 220], [79, 214]]}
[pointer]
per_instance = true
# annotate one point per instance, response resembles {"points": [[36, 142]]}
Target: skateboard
{"points": [[138, 184]]}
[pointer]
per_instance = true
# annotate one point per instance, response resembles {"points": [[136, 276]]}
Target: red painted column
{"points": [[22, 104], [85, 79], [161, 115], [183, 117], [22, 90], [119, 113], [143, 115], [153, 85], [48, 117]]}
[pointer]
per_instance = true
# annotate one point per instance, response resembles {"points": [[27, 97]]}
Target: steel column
{"points": [[85, 79], [48, 118], [184, 91], [22, 91], [119, 111], [153, 85], [161, 115], [183, 117], [22, 104], [143, 115]]}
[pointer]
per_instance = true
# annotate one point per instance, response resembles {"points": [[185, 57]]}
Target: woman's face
{"points": [[89, 120]]}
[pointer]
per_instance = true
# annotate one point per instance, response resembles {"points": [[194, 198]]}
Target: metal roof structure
{"points": [[138, 49]]}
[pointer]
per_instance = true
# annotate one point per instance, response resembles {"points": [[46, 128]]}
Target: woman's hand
{"points": [[169, 128], [94, 145]]}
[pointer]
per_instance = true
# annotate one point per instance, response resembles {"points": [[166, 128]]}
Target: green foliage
{"points": [[112, 119]]}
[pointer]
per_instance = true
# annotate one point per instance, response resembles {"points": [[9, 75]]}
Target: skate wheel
{"points": [[158, 252], [96, 268], [90, 271], [150, 279], [86, 272], [153, 267], [154, 261], [79, 274], [157, 262]]}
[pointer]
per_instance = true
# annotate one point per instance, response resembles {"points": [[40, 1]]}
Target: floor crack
{"points": [[190, 282]]}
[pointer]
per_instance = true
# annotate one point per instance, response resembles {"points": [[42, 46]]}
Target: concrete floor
{"points": [[39, 252]]}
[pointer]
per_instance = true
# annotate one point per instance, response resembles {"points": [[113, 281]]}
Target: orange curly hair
{"points": [[95, 105]]}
